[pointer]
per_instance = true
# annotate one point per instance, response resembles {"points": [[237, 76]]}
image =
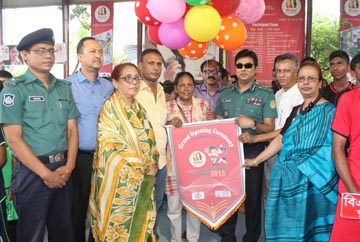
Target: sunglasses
{"points": [[246, 65]]}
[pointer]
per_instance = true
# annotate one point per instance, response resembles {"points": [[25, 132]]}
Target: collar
{"points": [[81, 78], [203, 87], [333, 89], [30, 77], [252, 87], [144, 86]]}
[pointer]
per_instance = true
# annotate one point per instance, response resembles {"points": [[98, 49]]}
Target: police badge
{"points": [[8, 99]]}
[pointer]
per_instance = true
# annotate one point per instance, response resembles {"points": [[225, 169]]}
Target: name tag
{"points": [[36, 99], [228, 100]]}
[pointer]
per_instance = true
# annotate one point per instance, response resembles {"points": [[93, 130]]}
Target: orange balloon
{"points": [[232, 34], [194, 50]]}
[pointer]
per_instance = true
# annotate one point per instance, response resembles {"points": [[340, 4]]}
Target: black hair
{"points": [[247, 53], [149, 51], [207, 62], [354, 62], [5, 74], [80, 45], [181, 74], [168, 86], [341, 54], [223, 72]]}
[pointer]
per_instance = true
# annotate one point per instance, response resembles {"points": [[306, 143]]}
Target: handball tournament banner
{"points": [[208, 161]]}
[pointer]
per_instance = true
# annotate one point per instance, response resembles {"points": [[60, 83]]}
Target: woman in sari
{"points": [[121, 203], [184, 109], [303, 183]]}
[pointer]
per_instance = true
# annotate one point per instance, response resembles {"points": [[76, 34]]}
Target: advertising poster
{"points": [[208, 161], [102, 14], [350, 26], [280, 30]]}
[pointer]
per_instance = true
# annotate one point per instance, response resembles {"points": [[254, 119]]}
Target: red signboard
{"points": [[208, 161], [280, 30], [350, 205], [102, 14]]}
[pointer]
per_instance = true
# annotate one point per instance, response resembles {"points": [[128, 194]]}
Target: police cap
{"points": [[45, 36]]}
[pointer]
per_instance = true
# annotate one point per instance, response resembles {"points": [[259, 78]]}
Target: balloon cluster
{"points": [[189, 25]]}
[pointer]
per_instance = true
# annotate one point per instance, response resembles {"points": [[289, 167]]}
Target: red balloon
{"points": [[143, 14], [225, 7], [153, 31]]}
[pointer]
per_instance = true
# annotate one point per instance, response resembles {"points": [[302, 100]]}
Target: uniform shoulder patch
{"points": [[272, 104], [9, 99], [11, 82]]}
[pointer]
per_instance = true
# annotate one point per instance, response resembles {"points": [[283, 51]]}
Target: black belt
{"points": [[86, 152], [53, 158]]}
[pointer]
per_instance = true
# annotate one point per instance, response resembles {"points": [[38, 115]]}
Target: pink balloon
{"points": [[250, 11], [167, 11], [173, 35]]}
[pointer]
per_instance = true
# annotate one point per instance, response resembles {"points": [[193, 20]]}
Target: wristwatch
{"points": [[254, 127]]}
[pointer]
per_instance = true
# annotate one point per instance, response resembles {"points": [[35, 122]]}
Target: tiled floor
{"points": [[205, 234]]}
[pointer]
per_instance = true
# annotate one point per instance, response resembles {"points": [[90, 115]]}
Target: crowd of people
{"points": [[90, 149]]}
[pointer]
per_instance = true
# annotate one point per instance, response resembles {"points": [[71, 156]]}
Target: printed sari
{"points": [[122, 203], [303, 183]]}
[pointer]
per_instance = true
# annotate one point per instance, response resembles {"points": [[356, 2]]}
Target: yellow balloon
{"points": [[202, 23]]}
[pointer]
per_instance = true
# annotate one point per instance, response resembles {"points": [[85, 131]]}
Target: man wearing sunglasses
{"points": [[255, 111], [90, 92], [38, 114]]}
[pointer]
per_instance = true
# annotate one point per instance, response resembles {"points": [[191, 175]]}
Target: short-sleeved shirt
{"points": [[331, 94], [42, 113], [256, 103], [89, 98], [201, 92], [346, 123], [2, 188]]}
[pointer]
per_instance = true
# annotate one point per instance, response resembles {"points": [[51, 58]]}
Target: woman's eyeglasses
{"points": [[130, 79]]}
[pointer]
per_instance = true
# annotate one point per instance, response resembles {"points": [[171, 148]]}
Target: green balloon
{"points": [[197, 2]]}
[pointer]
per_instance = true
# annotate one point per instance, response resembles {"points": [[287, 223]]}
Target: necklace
{"points": [[310, 106]]}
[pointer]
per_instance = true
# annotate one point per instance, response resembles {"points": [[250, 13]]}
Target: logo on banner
{"points": [[291, 7], [102, 13], [352, 7]]}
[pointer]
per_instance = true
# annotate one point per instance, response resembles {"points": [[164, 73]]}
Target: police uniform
{"points": [[43, 114], [256, 103]]}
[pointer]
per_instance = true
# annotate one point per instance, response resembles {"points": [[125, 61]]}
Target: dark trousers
{"points": [[253, 186], [3, 232], [38, 206], [82, 179]]}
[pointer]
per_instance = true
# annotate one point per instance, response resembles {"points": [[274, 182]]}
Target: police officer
{"points": [[255, 111], [39, 114]]}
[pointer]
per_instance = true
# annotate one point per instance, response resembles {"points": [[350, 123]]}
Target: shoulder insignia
{"points": [[13, 81], [272, 104]]}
